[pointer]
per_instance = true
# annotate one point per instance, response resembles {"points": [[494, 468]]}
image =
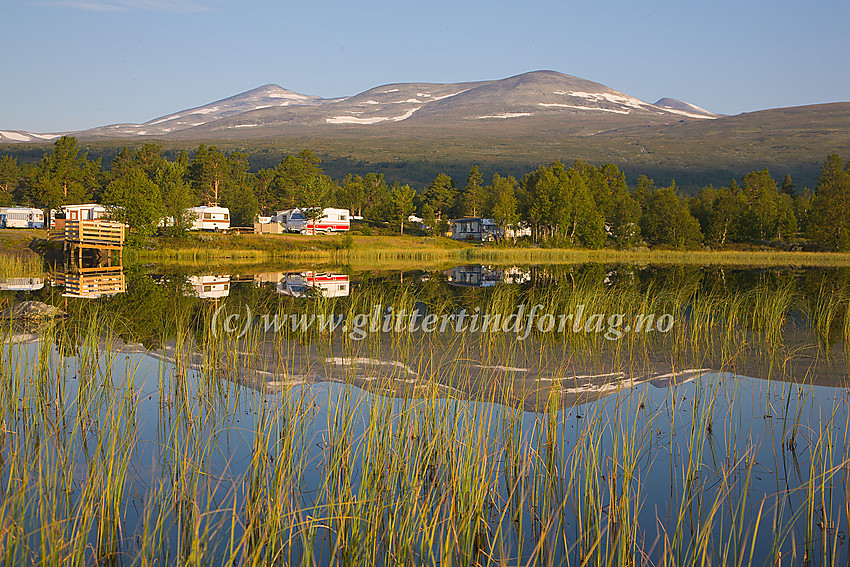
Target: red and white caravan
{"points": [[333, 220], [210, 218]]}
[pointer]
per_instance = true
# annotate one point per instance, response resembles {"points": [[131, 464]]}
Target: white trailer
{"points": [[210, 218], [210, 287], [333, 220], [21, 284], [89, 211], [21, 217]]}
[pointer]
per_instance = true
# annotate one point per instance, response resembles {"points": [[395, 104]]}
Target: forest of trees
{"points": [[564, 205]]}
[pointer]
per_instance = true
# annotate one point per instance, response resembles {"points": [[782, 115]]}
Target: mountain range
{"points": [[413, 131], [272, 110]]}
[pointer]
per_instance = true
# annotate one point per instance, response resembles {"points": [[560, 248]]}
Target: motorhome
{"points": [[21, 217], [210, 218], [332, 220]]}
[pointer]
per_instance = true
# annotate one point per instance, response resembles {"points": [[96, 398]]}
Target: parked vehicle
{"points": [[210, 218], [333, 220], [21, 284], [308, 283], [21, 217], [89, 211], [210, 287]]}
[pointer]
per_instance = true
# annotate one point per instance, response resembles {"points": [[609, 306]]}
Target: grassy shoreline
{"points": [[383, 251], [18, 259]]}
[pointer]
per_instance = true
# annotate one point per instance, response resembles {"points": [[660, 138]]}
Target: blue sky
{"points": [[74, 64]]}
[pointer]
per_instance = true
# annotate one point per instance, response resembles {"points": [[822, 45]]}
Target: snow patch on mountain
{"points": [[166, 119], [293, 96], [507, 115], [579, 107], [688, 114], [683, 108], [207, 110], [447, 96], [14, 136], [615, 98], [372, 120]]}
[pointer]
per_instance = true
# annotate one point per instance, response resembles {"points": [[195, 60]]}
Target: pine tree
{"points": [[207, 172], [9, 175], [539, 191], [64, 176], [352, 194], [788, 187], [504, 203], [440, 194], [762, 214], [237, 192], [474, 195], [624, 218], [312, 198], [293, 173], [263, 189], [829, 218], [402, 202], [177, 196], [134, 199], [667, 220]]}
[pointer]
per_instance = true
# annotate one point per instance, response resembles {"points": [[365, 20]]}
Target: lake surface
{"points": [[631, 414]]}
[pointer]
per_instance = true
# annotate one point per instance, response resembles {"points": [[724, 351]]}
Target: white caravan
{"points": [[21, 217], [210, 218], [210, 287], [89, 211], [21, 284], [333, 220]]}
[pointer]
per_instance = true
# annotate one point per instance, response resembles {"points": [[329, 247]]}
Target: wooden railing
{"points": [[95, 232], [93, 282]]}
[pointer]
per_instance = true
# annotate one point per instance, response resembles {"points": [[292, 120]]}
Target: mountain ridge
{"points": [[271, 109]]}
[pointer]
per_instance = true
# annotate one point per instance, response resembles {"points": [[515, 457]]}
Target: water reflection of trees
{"points": [[809, 308]]}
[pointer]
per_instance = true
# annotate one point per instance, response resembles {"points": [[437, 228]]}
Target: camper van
{"points": [[210, 218], [333, 220], [21, 217]]}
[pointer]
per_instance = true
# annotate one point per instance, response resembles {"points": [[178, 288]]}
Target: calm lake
{"points": [[552, 415]]}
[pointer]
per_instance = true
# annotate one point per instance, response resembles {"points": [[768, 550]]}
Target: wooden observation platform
{"points": [[78, 235], [89, 246], [92, 282]]}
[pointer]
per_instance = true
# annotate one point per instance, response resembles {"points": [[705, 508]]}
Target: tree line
{"points": [[564, 205]]}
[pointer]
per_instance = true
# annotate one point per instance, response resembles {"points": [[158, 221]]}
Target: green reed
{"points": [[448, 468], [21, 266]]}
